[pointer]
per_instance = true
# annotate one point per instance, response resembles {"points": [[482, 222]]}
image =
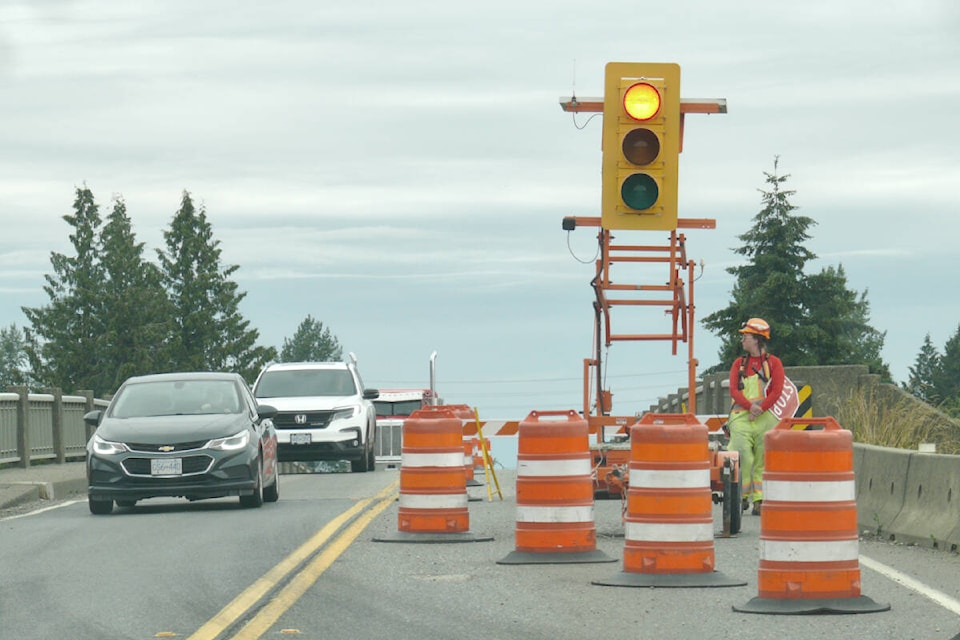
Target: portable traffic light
{"points": [[641, 145]]}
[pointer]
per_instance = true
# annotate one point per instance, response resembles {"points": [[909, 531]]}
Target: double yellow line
{"points": [[300, 582]]}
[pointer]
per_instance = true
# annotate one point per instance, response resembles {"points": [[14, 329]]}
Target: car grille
{"points": [[173, 446], [192, 465], [312, 420]]}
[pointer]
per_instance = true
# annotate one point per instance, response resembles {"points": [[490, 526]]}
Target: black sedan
{"points": [[191, 435]]}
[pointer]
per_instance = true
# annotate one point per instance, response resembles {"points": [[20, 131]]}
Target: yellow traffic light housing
{"points": [[641, 146]]}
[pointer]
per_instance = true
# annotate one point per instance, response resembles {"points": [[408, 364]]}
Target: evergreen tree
{"points": [[311, 343], [209, 332], [13, 357], [947, 377], [136, 322], [814, 320], [64, 337], [923, 374]]}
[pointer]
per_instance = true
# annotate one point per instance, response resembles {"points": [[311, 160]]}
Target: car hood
{"points": [[310, 403], [166, 429]]}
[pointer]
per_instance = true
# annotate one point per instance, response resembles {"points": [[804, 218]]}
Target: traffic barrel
{"points": [[433, 492], [555, 510], [668, 529], [809, 546], [466, 416]]}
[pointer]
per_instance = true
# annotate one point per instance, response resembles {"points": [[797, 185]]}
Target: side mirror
{"points": [[371, 394], [92, 418], [265, 411]]}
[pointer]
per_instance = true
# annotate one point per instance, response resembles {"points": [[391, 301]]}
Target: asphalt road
{"points": [[309, 566]]}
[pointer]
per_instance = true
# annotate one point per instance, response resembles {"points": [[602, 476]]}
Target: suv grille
{"points": [[311, 420]]}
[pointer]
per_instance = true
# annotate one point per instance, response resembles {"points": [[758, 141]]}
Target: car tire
{"points": [[371, 460], [100, 507], [272, 493], [255, 500], [360, 464]]}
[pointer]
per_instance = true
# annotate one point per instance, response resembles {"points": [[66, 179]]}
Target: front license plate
{"points": [[166, 466], [300, 438]]}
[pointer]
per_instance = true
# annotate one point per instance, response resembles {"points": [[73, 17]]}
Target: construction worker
{"points": [[756, 382]]}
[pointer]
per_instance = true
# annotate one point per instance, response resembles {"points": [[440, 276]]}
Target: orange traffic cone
{"points": [[555, 510], [668, 529], [809, 547]]}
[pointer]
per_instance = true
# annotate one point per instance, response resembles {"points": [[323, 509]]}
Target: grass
{"points": [[897, 420]]}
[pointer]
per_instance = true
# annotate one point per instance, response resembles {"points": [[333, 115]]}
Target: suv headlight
{"points": [[345, 413], [232, 443], [108, 448]]}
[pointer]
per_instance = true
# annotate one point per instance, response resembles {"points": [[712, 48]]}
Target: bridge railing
{"points": [[47, 426]]}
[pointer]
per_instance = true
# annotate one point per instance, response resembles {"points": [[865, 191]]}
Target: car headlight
{"points": [[108, 448], [345, 413], [234, 442]]}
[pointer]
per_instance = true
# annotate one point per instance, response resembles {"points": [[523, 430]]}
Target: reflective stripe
{"points": [[545, 468], [662, 479], [431, 459], [441, 501], [643, 531], [554, 514], [825, 491], [817, 551]]}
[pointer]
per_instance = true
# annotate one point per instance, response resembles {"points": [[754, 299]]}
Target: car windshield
{"points": [[176, 397], [399, 408], [305, 382]]}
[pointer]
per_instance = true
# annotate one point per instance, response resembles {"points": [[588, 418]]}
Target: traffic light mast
{"points": [[643, 118]]}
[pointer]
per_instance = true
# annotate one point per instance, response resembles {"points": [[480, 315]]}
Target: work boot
{"points": [[745, 505], [756, 507]]}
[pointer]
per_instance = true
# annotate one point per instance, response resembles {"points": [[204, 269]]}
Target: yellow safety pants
{"points": [[746, 437]]}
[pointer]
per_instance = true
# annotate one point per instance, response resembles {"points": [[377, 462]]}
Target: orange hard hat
{"points": [[758, 326]]}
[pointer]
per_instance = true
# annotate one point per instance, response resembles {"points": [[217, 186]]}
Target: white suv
{"points": [[323, 412]]}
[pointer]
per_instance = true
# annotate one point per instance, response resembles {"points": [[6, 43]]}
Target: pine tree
{"points": [[13, 357], [209, 332], [947, 377], [311, 343], [64, 337], [136, 324], [923, 374], [814, 320]]}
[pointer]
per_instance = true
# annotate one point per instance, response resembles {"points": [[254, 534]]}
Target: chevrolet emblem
{"points": [[167, 448]]}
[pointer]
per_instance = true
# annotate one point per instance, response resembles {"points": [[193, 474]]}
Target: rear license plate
{"points": [[300, 438], [166, 466]]}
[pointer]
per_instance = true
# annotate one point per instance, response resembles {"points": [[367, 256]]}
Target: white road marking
{"points": [[939, 597], [38, 511]]}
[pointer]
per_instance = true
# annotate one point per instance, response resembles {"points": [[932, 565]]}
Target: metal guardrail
{"points": [[44, 426]]}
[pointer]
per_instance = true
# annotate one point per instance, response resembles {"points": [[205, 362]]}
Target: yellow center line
{"points": [[295, 589], [255, 592]]}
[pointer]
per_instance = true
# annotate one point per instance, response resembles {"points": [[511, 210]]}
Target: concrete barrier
{"points": [[929, 514], [881, 476]]}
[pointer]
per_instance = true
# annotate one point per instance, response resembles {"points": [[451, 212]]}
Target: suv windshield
{"points": [[305, 383]]}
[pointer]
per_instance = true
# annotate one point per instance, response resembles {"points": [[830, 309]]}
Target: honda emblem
{"points": [[300, 418]]}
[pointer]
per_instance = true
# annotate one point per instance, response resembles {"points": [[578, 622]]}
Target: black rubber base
{"points": [[570, 557], [670, 580], [794, 607], [472, 482], [406, 536]]}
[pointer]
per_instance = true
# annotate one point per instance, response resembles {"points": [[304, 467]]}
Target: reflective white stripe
{"points": [[576, 467], [825, 491], [644, 531], [431, 459], [442, 501], [672, 479], [817, 551], [554, 514]]}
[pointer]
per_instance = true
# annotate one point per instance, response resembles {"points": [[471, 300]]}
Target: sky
{"points": [[400, 170]]}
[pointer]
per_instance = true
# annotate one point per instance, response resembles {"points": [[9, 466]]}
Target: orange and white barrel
{"points": [[433, 492], [809, 545], [669, 523]]}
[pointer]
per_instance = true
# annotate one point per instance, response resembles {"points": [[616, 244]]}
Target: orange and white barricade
{"points": [[809, 545], [433, 493], [555, 509], [668, 529]]}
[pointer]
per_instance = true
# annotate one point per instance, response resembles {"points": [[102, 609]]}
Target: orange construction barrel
{"points": [[555, 510], [809, 545], [668, 529]]}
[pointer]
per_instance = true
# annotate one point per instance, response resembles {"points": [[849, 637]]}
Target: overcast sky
{"points": [[400, 170]]}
